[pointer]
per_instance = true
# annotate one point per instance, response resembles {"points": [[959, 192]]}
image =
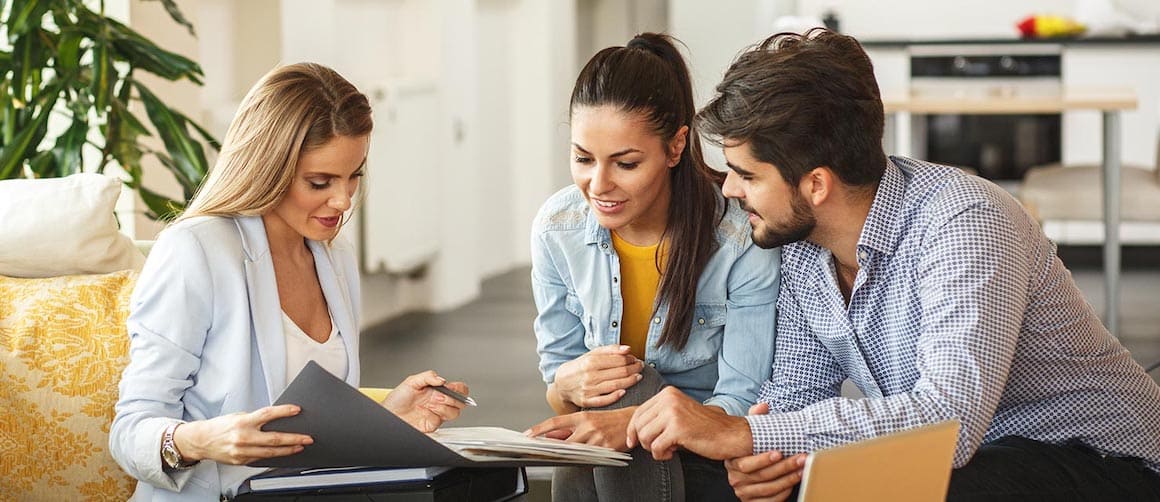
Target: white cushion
{"points": [[63, 226], [1055, 192]]}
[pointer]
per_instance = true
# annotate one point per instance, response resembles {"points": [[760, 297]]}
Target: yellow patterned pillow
{"points": [[62, 349]]}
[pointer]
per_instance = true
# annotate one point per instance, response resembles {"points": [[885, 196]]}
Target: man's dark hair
{"points": [[802, 101]]}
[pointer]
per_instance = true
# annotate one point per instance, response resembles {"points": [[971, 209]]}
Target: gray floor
{"points": [[489, 343]]}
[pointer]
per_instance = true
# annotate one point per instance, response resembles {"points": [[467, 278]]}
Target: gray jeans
{"points": [[645, 479]]}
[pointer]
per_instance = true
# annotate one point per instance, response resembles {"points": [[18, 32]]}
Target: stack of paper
{"points": [[496, 444], [288, 478]]}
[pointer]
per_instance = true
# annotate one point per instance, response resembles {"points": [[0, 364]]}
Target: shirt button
{"points": [[614, 279], [614, 324], [656, 320], [701, 321], [652, 365], [604, 245], [863, 255]]}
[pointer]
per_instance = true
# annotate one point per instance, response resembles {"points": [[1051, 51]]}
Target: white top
{"points": [[300, 349]]}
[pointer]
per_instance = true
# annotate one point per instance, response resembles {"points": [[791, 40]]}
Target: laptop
{"points": [[909, 466]]}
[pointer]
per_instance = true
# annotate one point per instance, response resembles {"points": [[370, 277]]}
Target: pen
{"points": [[454, 395]]}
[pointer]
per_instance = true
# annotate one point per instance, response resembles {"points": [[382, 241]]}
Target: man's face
{"points": [[777, 211]]}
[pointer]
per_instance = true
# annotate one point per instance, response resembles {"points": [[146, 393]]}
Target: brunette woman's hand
{"points": [[238, 438], [417, 403], [598, 378]]}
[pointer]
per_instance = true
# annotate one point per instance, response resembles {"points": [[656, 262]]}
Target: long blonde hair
{"points": [[292, 109]]}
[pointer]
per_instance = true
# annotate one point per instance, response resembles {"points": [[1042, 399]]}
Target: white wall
{"points": [[715, 32], [544, 67], [1111, 66], [496, 169]]}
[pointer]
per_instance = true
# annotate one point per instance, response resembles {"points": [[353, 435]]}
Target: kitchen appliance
{"points": [[1000, 146]]}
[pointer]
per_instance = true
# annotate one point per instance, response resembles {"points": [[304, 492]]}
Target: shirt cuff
{"points": [[778, 431], [731, 406], [147, 451]]}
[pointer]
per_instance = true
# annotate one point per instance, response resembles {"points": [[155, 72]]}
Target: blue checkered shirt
{"points": [[960, 309]]}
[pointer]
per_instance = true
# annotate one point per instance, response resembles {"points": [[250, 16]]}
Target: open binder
{"points": [[350, 429], [452, 484]]}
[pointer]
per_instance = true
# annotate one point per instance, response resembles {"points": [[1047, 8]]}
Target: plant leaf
{"points": [[129, 119], [103, 76], [25, 55], [205, 135], [14, 153], [25, 16], [158, 61], [178, 17], [188, 156], [124, 129], [8, 121], [137, 50], [43, 165], [161, 208], [68, 52], [68, 147]]}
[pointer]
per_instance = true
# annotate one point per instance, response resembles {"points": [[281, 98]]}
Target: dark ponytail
{"points": [[649, 77]]}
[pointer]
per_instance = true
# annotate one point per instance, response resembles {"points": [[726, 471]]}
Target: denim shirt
{"points": [[575, 281]]}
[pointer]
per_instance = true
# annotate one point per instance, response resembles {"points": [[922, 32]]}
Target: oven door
{"points": [[998, 147]]}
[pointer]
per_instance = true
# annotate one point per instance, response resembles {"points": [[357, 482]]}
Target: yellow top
{"points": [[639, 280]]}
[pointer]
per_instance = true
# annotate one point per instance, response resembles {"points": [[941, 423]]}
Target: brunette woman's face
{"points": [[622, 167]]}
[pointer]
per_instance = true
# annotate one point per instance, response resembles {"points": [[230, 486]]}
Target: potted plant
{"points": [[70, 64]]}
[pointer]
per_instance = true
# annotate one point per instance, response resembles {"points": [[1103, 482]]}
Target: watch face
{"points": [[169, 455]]}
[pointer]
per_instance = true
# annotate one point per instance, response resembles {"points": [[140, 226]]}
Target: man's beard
{"points": [[801, 223]]}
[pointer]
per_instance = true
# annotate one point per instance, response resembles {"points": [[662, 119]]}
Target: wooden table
{"points": [[1110, 102]]}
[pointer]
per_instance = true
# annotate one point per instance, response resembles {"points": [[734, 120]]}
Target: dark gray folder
{"points": [[351, 429]]}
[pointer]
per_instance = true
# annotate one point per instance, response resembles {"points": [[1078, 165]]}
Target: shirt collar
{"points": [[882, 228], [593, 232]]}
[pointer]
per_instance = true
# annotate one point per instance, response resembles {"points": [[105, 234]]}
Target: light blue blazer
{"points": [[206, 339]]}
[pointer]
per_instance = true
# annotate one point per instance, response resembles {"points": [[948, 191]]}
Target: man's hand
{"points": [[672, 420], [600, 428], [598, 378], [765, 476]]}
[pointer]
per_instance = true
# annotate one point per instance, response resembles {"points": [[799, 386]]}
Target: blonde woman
{"points": [[245, 288]]}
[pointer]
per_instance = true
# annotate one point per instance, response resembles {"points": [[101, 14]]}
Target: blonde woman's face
{"points": [[323, 188]]}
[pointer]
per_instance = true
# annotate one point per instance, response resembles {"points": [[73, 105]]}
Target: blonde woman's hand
{"points": [[238, 438], [598, 378], [417, 403]]}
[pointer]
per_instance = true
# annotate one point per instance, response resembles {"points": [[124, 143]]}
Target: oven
{"points": [[998, 147]]}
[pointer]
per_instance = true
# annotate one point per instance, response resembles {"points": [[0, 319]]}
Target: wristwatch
{"points": [[169, 452]]}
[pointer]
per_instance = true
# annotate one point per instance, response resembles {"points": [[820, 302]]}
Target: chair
{"points": [[1058, 192]]}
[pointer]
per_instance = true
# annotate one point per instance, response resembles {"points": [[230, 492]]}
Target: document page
{"points": [[496, 444]]}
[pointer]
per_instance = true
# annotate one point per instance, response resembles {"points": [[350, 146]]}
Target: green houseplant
{"points": [[68, 81]]}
